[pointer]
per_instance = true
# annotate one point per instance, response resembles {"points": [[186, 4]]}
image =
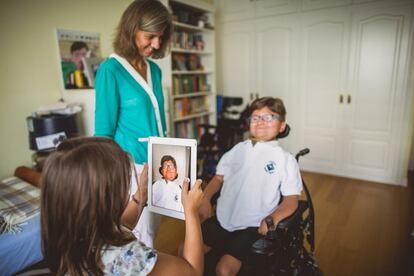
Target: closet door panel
{"points": [[274, 7], [375, 71], [377, 74], [231, 10], [276, 52], [236, 60], [324, 63], [320, 4], [276, 62]]}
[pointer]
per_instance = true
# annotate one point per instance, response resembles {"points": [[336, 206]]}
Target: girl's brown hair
{"points": [[147, 16], [85, 187], [274, 104]]}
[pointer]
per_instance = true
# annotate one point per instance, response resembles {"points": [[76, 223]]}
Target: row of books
{"points": [[187, 106], [186, 62], [188, 40], [190, 129], [184, 84]]}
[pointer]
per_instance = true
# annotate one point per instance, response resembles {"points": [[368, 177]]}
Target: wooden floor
{"points": [[362, 228]]}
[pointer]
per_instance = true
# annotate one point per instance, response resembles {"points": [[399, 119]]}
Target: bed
{"points": [[20, 245]]}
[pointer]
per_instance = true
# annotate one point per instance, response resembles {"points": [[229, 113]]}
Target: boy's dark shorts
{"points": [[236, 243]]}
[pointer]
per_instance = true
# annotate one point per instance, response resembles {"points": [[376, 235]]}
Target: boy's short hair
{"points": [[77, 45], [274, 104]]}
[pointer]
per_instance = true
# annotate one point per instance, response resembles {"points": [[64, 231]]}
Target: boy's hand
{"points": [[142, 192], [205, 210], [192, 199], [263, 228]]}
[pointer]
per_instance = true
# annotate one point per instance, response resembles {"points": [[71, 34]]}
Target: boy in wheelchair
{"points": [[252, 177]]}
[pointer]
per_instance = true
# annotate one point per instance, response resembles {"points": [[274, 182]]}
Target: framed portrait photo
{"points": [[170, 161]]}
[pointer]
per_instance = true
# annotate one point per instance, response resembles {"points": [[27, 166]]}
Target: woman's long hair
{"points": [[147, 16], [85, 186]]}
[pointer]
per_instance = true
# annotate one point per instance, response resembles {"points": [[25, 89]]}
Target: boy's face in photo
{"points": [[77, 55], [264, 130], [169, 171]]}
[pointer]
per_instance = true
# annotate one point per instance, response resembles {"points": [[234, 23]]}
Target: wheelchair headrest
{"points": [[284, 133], [230, 101]]}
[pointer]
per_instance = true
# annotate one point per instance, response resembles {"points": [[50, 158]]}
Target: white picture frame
{"points": [[164, 195]]}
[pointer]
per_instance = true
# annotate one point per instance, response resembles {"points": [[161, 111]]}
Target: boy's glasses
{"points": [[265, 118], [168, 166]]}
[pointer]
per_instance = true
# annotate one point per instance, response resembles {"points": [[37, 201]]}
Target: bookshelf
{"points": [[193, 89]]}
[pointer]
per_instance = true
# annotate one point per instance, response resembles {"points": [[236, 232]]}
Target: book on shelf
{"points": [[189, 106], [188, 40], [190, 128], [184, 107], [184, 84], [186, 62]]}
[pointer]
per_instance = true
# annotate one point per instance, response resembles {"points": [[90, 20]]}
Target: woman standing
{"points": [[129, 97]]}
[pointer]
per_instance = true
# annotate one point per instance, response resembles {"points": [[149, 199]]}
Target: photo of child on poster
{"points": [[80, 56]]}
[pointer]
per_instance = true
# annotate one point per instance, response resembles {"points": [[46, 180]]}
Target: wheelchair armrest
{"points": [[267, 245], [291, 220]]}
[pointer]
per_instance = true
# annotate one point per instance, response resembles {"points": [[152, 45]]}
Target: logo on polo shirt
{"points": [[270, 167], [176, 198]]}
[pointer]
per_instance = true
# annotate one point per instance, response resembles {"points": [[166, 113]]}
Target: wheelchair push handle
{"points": [[302, 153]]}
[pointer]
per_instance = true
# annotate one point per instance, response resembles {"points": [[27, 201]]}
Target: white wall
{"points": [[30, 69]]}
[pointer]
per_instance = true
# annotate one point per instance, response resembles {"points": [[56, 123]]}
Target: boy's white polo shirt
{"points": [[254, 178], [167, 194]]}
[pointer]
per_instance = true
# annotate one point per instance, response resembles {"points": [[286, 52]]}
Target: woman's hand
{"points": [[191, 199], [142, 192]]}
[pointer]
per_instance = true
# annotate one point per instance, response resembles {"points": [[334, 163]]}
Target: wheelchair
{"points": [[282, 251]]}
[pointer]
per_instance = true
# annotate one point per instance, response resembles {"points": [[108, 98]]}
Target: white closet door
{"points": [[273, 7], [235, 53], [320, 4], [277, 41], [231, 10], [378, 71], [325, 42]]}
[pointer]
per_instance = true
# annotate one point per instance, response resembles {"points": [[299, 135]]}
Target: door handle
{"points": [[341, 98], [348, 99]]}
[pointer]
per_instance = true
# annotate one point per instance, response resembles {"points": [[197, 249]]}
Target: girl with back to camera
{"points": [[85, 194]]}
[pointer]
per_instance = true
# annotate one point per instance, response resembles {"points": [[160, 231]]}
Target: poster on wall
{"points": [[80, 56]]}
